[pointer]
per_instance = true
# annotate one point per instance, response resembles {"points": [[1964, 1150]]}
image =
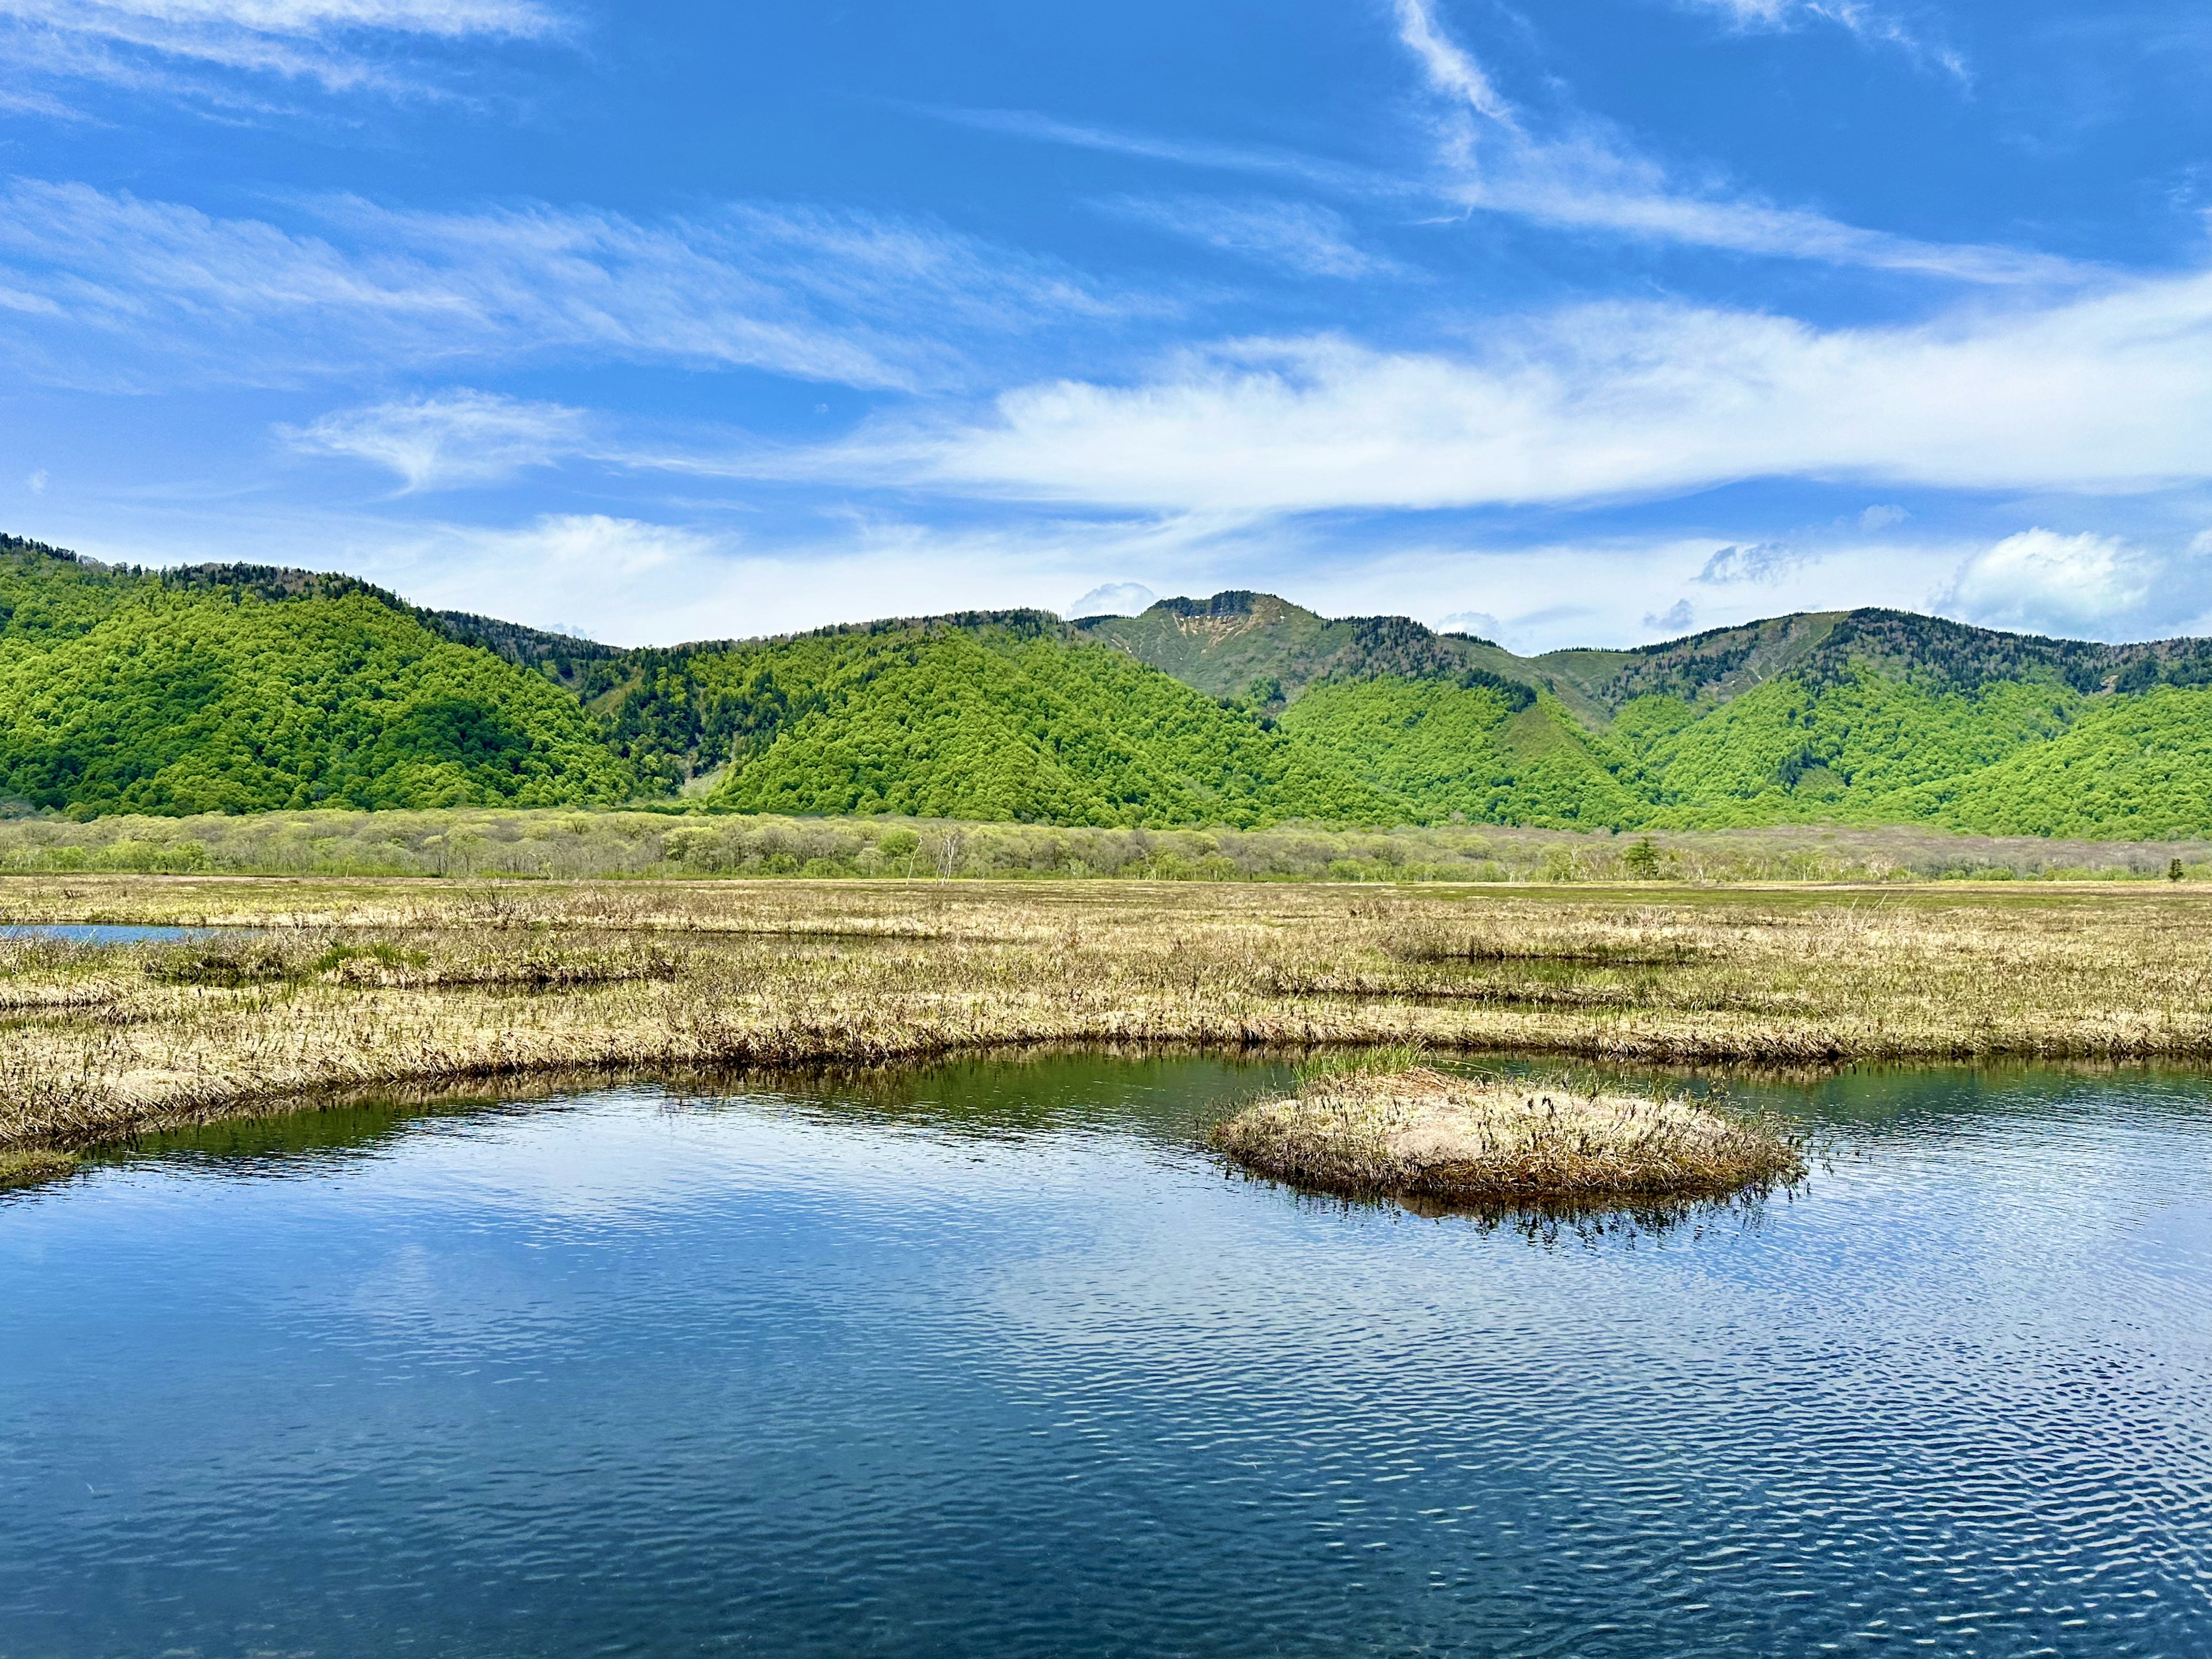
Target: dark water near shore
{"points": [[990, 1360]]}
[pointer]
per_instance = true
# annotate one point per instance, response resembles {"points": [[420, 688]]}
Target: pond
{"points": [[111, 933], [990, 1358]]}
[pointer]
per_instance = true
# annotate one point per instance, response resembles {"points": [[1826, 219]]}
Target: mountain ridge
{"points": [[239, 687]]}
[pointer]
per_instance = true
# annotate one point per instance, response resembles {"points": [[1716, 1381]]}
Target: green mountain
{"points": [[1257, 648], [989, 715], [237, 687], [1859, 717]]}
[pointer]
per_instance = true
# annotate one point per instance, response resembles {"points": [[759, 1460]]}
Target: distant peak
{"points": [[1235, 602]]}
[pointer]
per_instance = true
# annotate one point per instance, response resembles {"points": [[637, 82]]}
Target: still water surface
{"points": [[990, 1360], [113, 932]]}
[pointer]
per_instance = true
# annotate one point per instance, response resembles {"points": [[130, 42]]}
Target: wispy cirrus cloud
{"points": [[1578, 173], [457, 437], [1303, 238], [1261, 160], [1869, 23], [336, 45], [1449, 68], [1581, 177], [1757, 561], [106, 290]]}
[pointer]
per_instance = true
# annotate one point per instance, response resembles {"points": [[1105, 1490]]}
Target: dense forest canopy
{"points": [[246, 688], [124, 692]]}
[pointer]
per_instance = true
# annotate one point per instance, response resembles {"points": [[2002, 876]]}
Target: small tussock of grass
{"points": [[1628, 941], [27, 1166], [1350, 1066], [533, 968], [228, 965], [496, 959], [1388, 1127]]}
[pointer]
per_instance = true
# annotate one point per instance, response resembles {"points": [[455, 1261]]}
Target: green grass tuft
{"points": [[27, 1166]]}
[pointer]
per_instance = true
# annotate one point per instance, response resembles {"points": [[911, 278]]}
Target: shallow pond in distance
{"points": [[991, 1359], [111, 933]]}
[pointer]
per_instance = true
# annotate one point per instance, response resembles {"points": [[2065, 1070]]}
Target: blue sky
{"points": [[1587, 323]]}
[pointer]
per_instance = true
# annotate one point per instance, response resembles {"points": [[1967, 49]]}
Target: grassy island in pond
{"points": [[1406, 1130]]}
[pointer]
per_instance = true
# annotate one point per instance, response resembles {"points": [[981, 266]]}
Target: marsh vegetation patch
{"points": [[1390, 1126]]}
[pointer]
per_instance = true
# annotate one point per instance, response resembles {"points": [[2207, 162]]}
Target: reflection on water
{"points": [[990, 1358]]}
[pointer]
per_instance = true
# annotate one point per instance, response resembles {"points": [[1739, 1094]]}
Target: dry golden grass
{"points": [[1413, 1131], [366, 982]]}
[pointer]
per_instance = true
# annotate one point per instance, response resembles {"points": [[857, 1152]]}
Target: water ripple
{"points": [[997, 1362]]}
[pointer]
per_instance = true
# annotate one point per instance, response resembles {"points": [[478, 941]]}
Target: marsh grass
{"points": [[565, 845], [1350, 1066], [1393, 1129], [31, 1166], [1652, 948], [362, 983]]}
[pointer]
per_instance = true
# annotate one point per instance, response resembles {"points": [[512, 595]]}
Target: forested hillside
{"points": [[995, 717], [235, 688], [1855, 717], [121, 691], [1265, 651]]}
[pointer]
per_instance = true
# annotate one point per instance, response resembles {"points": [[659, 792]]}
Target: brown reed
{"points": [[372, 983], [1413, 1131]]}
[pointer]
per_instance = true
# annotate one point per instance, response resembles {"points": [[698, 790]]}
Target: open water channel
{"points": [[991, 1359]]}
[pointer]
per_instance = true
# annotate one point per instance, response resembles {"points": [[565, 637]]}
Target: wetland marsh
{"points": [[312, 984]]}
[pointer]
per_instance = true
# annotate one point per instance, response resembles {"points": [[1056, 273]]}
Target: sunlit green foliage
{"points": [[2024, 756], [118, 693], [1461, 747], [988, 724], [2130, 768], [235, 689], [1788, 751]]}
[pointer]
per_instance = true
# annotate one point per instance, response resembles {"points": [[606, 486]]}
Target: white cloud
{"points": [[1113, 599], [1449, 69], [1585, 176], [1480, 623], [1867, 23], [37, 482], [1759, 561], [1185, 152], [1591, 591], [15, 101], [2112, 393], [336, 44], [1301, 237], [176, 294], [2040, 579], [640, 582], [630, 580], [459, 437]]}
